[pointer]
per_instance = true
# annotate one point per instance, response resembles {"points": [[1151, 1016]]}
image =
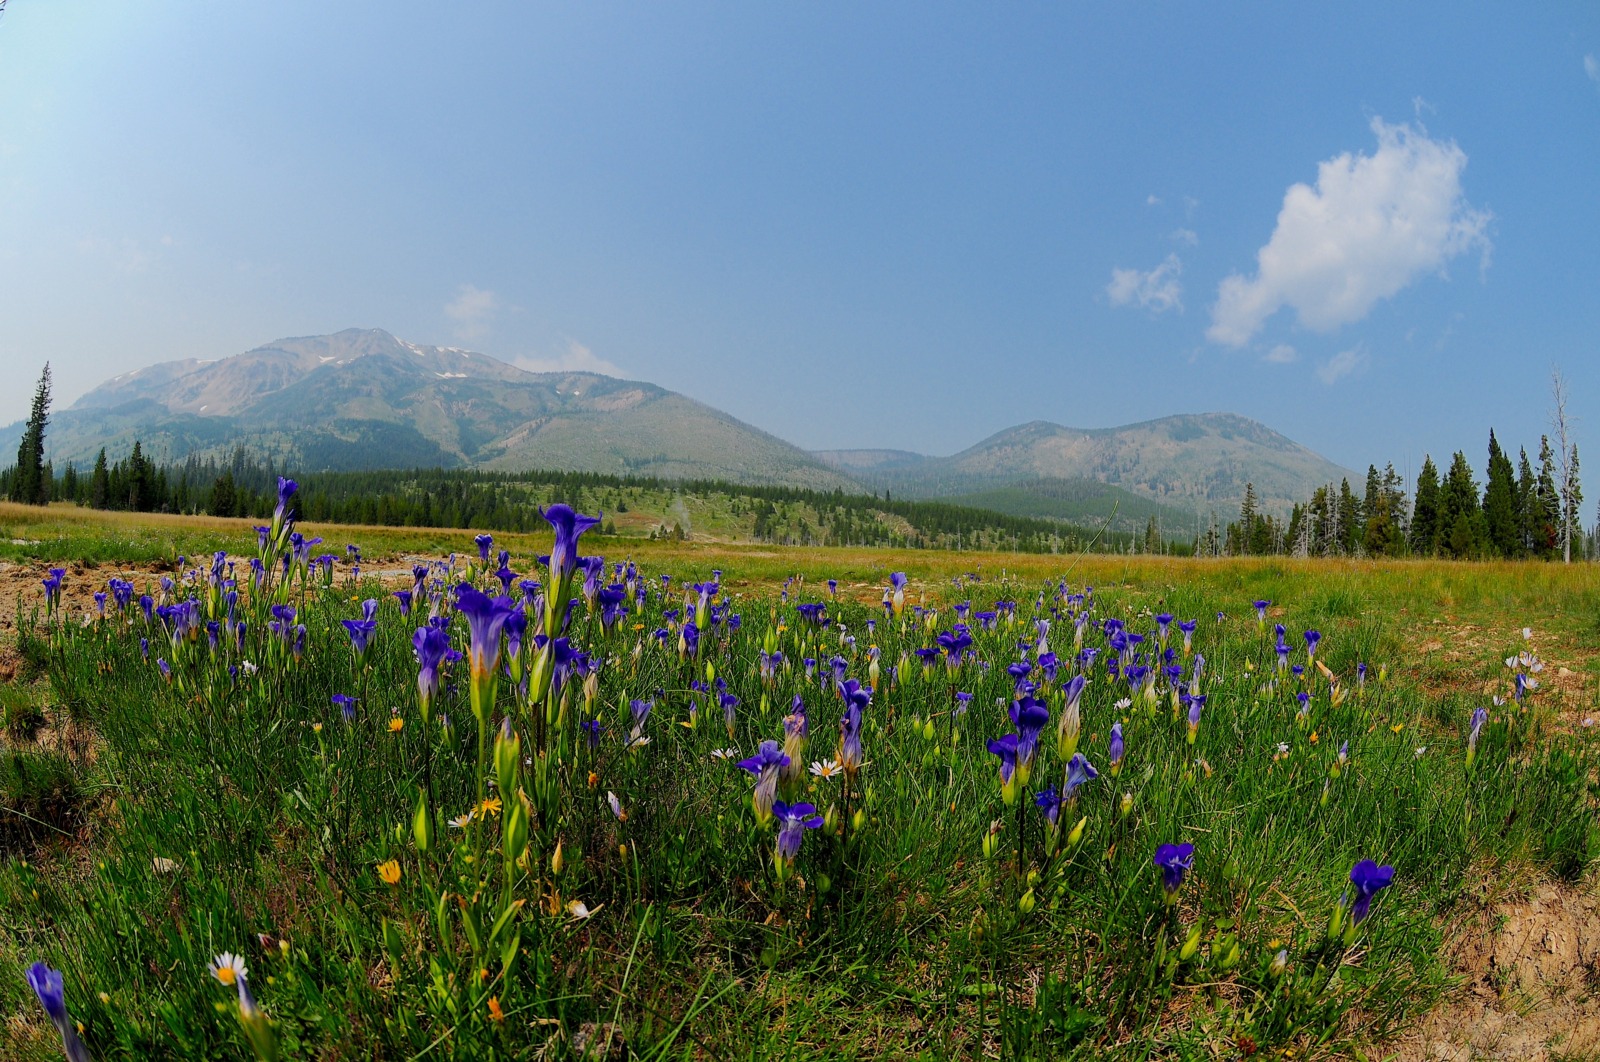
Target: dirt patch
{"points": [[1531, 969]]}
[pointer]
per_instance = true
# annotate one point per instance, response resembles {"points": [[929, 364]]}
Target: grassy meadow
{"points": [[583, 841]]}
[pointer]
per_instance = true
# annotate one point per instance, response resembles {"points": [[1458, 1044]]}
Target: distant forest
{"points": [[1519, 512], [637, 506]]}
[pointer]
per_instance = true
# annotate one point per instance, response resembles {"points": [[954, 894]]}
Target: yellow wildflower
{"points": [[396, 724], [390, 872]]}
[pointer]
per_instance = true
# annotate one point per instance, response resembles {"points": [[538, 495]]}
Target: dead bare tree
{"points": [[1562, 424]]}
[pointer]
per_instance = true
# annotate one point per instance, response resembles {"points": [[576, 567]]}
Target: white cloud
{"points": [[1158, 291], [1152, 200], [1591, 66], [472, 309], [1282, 354], [1371, 226], [1187, 237], [576, 358], [1342, 364]]}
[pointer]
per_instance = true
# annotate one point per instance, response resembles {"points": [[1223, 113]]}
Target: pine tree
{"points": [[1500, 502], [1247, 520], [1572, 499], [1350, 519], [100, 483], [29, 485], [1394, 491], [224, 496], [1547, 506], [1527, 505], [1461, 523], [138, 480], [1425, 516]]}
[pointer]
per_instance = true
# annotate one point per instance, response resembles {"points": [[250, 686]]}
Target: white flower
{"points": [[580, 911], [1420, 750], [724, 754], [616, 806], [1527, 633], [228, 968], [1126, 702], [825, 768], [249, 668], [461, 822], [1283, 747]]}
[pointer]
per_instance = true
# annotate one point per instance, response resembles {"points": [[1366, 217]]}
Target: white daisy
{"points": [[228, 968]]}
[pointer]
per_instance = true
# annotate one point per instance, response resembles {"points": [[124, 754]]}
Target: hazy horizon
{"points": [[904, 227]]}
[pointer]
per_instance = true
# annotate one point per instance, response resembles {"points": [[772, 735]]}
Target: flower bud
{"points": [[1075, 838], [1125, 806], [556, 861], [1191, 944], [422, 824], [1025, 904], [514, 841], [507, 758]]}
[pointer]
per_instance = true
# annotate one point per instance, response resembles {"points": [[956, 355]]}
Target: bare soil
{"points": [[1530, 963]]}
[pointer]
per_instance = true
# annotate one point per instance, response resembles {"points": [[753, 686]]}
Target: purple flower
{"points": [[1079, 771], [592, 729], [895, 598], [1049, 802], [362, 630], [485, 543], [430, 645], [1368, 878], [404, 597], [1312, 638], [347, 705], [48, 985], [765, 764], [856, 698], [486, 620], [1117, 749], [569, 526], [1005, 747], [1175, 860], [793, 822], [286, 492], [1187, 627], [1030, 716]]}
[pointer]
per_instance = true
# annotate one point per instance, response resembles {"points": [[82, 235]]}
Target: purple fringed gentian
{"points": [[48, 985], [764, 765], [1175, 860]]}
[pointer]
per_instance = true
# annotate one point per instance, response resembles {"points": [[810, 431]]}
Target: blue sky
{"points": [[1374, 227]]}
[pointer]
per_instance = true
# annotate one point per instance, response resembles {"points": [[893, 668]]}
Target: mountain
{"points": [[364, 399], [1193, 462]]}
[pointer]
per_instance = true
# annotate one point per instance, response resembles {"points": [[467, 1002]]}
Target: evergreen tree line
{"points": [[246, 486], [1518, 512]]}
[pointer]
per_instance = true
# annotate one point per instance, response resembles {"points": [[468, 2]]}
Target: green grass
{"points": [[221, 812]]}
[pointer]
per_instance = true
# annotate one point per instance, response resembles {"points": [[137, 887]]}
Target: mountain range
{"points": [[363, 399]]}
